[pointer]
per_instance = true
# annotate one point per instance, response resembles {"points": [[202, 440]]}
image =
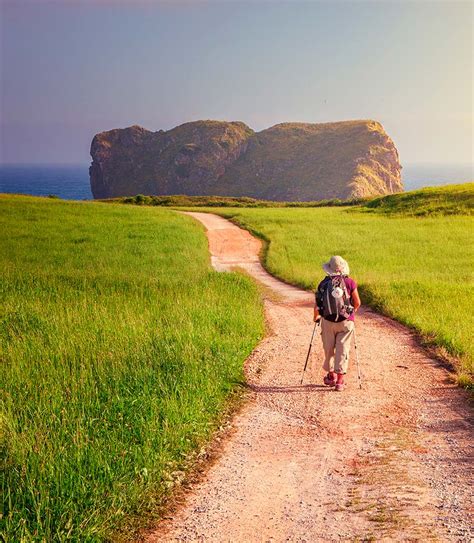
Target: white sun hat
{"points": [[336, 265]]}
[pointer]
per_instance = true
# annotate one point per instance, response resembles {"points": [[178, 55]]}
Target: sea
{"points": [[71, 182]]}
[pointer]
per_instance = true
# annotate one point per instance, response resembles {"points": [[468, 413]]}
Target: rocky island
{"points": [[287, 162]]}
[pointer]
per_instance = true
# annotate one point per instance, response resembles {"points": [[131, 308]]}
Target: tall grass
{"points": [[119, 349], [430, 201], [418, 270]]}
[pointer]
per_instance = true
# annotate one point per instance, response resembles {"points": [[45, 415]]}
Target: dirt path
{"points": [[390, 462]]}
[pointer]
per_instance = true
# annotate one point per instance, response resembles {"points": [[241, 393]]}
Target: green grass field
{"points": [[427, 202], [120, 349], [443, 200], [417, 270]]}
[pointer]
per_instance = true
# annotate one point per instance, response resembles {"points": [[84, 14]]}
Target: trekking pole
{"points": [[357, 358], [309, 350]]}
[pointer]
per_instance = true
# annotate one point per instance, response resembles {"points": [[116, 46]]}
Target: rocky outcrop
{"points": [[184, 160], [289, 161]]}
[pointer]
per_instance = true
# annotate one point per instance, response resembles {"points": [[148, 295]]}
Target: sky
{"points": [[71, 68]]}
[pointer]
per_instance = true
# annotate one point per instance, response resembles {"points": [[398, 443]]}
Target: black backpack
{"points": [[333, 300]]}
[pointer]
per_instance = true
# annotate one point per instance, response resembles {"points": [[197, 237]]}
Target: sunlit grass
{"points": [[417, 270], [119, 349], [430, 201]]}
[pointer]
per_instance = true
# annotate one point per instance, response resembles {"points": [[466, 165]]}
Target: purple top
{"points": [[351, 285]]}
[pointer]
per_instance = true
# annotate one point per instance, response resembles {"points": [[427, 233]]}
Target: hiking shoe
{"points": [[339, 387], [329, 381]]}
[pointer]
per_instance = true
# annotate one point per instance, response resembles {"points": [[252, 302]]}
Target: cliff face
{"points": [[290, 161], [184, 160]]}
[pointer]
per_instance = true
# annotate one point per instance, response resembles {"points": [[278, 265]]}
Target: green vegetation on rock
{"points": [[120, 349]]}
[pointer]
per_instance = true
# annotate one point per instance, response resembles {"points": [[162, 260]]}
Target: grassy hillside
{"points": [[119, 351], [447, 200], [444, 200], [418, 270]]}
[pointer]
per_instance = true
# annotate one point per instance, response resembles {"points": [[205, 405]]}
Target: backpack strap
{"points": [[347, 296]]}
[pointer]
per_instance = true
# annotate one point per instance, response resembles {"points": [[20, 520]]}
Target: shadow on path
{"points": [[284, 389]]}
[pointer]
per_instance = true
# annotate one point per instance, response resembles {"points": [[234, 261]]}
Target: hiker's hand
{"points": [[317, 318]]}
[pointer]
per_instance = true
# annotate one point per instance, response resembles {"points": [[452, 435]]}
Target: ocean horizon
{"points": [[71, 181]]}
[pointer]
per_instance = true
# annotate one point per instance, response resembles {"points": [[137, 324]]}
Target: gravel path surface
{"points": [[389, 462]]}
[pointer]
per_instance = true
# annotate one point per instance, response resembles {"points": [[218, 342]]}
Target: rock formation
{"points": [[289, 161]]}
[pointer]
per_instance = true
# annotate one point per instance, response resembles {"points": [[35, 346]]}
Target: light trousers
{"points": [[337, 337]]}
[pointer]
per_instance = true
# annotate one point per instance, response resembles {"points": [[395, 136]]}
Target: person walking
{"points": [[337, 300]]}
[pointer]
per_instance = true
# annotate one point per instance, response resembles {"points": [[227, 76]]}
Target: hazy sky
{"points": [[73, 68]]}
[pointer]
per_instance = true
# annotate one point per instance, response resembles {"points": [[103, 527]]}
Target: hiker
{"points": [[337, 300]]}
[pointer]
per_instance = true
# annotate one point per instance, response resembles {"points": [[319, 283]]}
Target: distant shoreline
{"points": [[421, 174], [71, 181]]}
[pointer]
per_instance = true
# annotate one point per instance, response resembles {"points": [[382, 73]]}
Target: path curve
{"points": [[390, 462]]}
